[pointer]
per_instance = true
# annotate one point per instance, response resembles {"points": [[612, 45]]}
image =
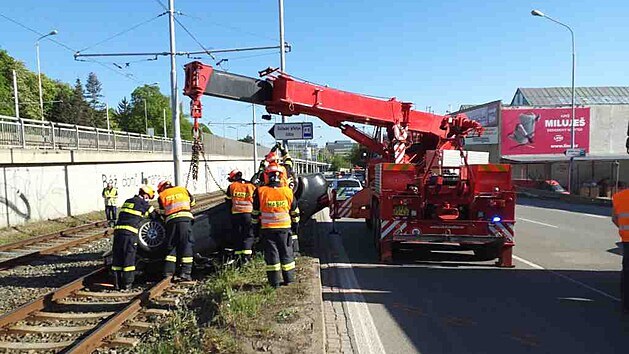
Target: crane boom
{"points": [[283, 94]]}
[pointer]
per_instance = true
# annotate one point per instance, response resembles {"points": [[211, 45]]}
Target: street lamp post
{"points": [[573, 115], [146, 118], [41, 96], [225, 120]]}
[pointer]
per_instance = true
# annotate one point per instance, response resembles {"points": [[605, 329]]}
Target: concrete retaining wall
{"points": [[32, 191]]}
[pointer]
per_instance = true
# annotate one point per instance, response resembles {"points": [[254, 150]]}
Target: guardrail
{"points": [[19, 132], [569, 198], [30, 133]]}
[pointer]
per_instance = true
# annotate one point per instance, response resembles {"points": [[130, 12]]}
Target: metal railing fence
{"points": [[19, 132]]}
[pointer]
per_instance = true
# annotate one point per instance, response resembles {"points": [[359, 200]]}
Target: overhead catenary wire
{"points": [[68, 48], [122, 32]]}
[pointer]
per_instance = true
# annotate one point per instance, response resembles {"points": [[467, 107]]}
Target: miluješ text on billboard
{"points": [[529, 131]]}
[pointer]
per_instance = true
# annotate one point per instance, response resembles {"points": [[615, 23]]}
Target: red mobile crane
{"points": [[414, 196]]}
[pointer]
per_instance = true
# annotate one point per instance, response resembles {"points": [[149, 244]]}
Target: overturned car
{"points": [[212, 234]]}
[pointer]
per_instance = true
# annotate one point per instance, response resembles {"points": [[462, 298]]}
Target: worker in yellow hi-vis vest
{"points": [[110, 196]]}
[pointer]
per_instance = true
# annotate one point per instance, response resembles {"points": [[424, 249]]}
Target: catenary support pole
{"points": [[178, 160], [282, 51], [255, 138], [164, 115], [15, 96]]}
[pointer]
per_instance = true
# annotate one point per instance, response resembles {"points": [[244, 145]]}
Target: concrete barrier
{"points": [[569, 198], [56, 185]]}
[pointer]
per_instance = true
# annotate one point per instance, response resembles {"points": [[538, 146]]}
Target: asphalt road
{"points": [[562, 297]]}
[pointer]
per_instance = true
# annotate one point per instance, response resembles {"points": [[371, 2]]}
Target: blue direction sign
{"points": [[292, 131]]}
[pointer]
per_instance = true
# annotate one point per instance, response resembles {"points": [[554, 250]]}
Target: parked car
{"points": [[548, 185], [346, 187]]}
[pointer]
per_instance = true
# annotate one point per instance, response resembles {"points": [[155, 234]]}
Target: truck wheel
{"points": [[151, 235], [375, 230]]}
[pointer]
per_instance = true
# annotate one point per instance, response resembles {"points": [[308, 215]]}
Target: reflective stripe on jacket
{"points": [[620, 201], [242, 197], [275, 205], [132, 212], [176, 203], [111, 196]]}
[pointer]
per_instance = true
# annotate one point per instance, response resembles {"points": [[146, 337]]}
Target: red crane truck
{"points": [[423, 188]]}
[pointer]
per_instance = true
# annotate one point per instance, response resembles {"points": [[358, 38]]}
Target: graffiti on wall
{"points": [[19, 204], [133, 179], [31, 194]]}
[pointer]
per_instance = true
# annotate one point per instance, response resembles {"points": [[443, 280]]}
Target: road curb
{"points": [[319, 323], [572, 199]]}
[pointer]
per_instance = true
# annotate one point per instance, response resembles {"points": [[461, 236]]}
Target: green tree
{"points": [[247, 139], [123, 115], [358, 155], [337, 162], [93, 89], [79, 109]]}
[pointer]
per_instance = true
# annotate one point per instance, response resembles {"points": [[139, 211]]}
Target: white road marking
{"points": [[365, 333], [537, 266], [567, 211], [537, 222]]}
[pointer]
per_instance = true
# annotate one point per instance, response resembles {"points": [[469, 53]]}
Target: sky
{"points": [[433, 53]]}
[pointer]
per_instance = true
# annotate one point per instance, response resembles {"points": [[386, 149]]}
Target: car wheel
{"points": [[151, 235]]}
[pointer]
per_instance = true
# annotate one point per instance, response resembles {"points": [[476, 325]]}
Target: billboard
{"points": [[529, 131], [487, 115]]}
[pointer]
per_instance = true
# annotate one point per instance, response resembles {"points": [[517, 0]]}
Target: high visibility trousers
{"points": [[278, 255], [110, 213], [179, 245], [242, 234], [123, 251], [624, 278]]}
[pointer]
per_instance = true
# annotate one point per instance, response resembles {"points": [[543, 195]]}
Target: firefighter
{"points": [[176, 202], [620, 218], [126, 235], [274, 213], [240, 203], [110, 196], [287, 166]]}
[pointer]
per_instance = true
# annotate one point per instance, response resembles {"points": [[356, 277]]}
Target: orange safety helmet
{"points": [[148, 191], [234, 174], [163, 185], [274, 170]]}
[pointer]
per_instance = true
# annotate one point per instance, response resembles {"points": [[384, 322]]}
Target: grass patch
{"points": [[21, 232], [235, 311]]}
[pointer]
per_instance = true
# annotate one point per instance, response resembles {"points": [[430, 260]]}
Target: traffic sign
{"points": [[575, 152], [292, 131]]}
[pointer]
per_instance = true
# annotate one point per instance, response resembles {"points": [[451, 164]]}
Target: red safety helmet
{"points": [[234, 174], [272, 157], [163, 185]]}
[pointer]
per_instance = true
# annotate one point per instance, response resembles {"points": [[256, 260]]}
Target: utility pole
{"points": [[255, 138], [146, 118], [178, 160], [15, 96], [107, 115], [282, 51]]}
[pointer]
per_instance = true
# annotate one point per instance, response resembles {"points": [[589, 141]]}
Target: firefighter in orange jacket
{"points": [[274, 212], [620, 217], [176, 203], [240, 203]]}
